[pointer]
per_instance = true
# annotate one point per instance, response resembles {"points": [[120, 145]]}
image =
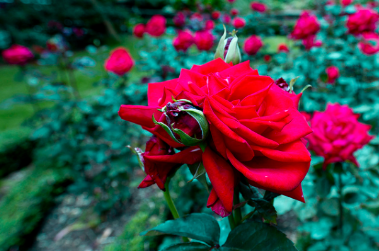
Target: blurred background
{"points": [[68, 181]]}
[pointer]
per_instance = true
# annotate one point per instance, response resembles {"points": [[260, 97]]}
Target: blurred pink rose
{"points": [[310, 42], [209, 25], [17, 54], [307, 25], [363, 20], [259, 7], [179, 19], [346, 2], [203, 40], [283, 48], [370, 43], [119, 62], [239, 22], [226, 19], [139, 30], [216, 14], [234, 12], [252, 45], [156, 26], [183, 41], [333, 73]]}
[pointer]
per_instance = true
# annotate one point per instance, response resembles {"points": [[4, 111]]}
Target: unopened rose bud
{"points": [[282, 84], [228, 49], [185, 123]]}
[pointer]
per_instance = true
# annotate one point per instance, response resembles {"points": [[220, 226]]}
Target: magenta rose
{"points": [[234, 12], [119, 62], [311, 42], [337, 134], [370, 43], [179, 19], [139, 30], [156, 26], [203, 40], [283, 48], [346, 2], [239, 22], [333, 73], [226, 19], [307, 25], [17, 54], [259, 7], [252, 45], [183, 41], [216, 14], [364, 20], [209, 25]]}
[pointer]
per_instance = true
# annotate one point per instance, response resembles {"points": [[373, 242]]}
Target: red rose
{"points": [[346, 2], [234, 12], [119, 62], [203, 40], [226, 19], [363, 20], [333, 73], [179, 19], [17, 54], [337, 134], [260, 7], [197, 16], [156, 26], [370, 43], [216, 14], [159, 160], [372, 4], [267, 58], [239, 22], [139, 30], [209, 25], [183, 41], [255, 128], [252, 45], [307, 25], [310, 42], [283, 48], [231, 1]]}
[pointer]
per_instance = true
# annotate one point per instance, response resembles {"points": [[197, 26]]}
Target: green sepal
{"points": [[292, 83], [220, 47], [233, 55], [138, 152], [167, 129], [200, 118], [198, 172]]}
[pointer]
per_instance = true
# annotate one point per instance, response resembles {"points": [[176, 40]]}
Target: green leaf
{"points": [[198, 172], [191, 246], [270, 195], [249, 192], [220, 47], [330, 207], [258, 236], [198, 226], [167, 129]]}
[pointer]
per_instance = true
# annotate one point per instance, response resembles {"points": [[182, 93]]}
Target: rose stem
{"points": [[231, 221], [171, 204], [237, 211], [340, 187]]}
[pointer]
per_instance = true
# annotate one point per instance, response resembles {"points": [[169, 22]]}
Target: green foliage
{"points": [[27, 202]]}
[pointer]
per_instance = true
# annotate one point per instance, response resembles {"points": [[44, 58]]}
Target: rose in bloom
{"points": [[203, 40], [255, 128], [234, 12], [307, 25], [260, 7], [363, 20], [119, 62], [139, 30], [337, 134], [183, 41], [333, 73], [156, 26], [311, 42], [226, 19], [239, 22], [17, 54], [370, 43], [346, 2], [179, 19], [209, 25], [216, 14], [252, 45], [283, 48], [160, 159]]}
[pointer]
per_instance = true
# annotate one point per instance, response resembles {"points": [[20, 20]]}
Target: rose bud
{"points": [[370, 43], [160, 160], [252, 45], [282, 84], [337, 134], [119, 62], [267, 58], [226, 19], [259, 7], [203, 40], [234, 12], [184, 123], [346, 2], [333, 73], [216, 14], [17, 54], [363, 20], [139, 30], [307, 25], [283, 48], [228, 49], [239, 22], [179, 19], [156, 26], [209, 25], [183, 41]]}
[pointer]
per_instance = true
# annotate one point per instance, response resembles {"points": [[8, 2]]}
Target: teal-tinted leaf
{"points": [[198, 226], [230, 249], [258, 236], [249, 192], [265, 209], [198, 172], [270, 195], [192, 246], [330, 207]]}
